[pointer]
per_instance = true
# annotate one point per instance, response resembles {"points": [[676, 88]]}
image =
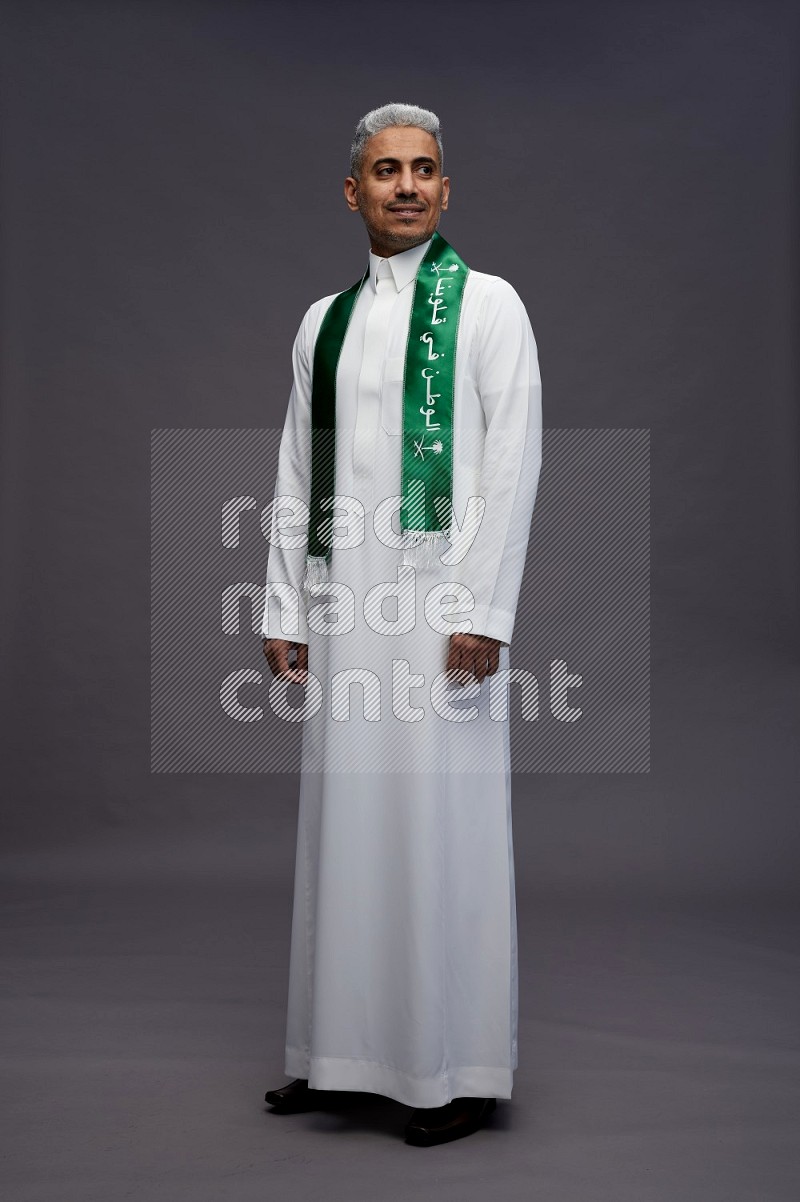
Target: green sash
{"points": [[428, 386]]}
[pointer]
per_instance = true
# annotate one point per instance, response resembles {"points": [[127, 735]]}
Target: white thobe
{"points": [[403, 964]]}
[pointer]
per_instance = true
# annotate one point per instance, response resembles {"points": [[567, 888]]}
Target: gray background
{"points": [[171, 204]]}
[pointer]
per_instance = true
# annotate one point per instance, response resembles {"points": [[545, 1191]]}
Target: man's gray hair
{"points": [[386, 116]]}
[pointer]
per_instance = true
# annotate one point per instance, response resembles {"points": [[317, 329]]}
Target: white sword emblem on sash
{"points": [[420, 448]]}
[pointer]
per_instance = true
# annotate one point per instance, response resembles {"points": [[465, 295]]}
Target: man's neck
{"points": [[386, 252]]}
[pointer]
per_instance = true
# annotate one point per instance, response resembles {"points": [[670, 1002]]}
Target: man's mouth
{"points": [[406, 210]]}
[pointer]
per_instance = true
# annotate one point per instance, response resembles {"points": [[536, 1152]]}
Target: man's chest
{"points": [[372, 362]]}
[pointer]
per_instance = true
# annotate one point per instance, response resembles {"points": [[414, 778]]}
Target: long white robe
{"points": [[403, 968]]}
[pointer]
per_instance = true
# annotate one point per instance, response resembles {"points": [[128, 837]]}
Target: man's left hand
{"points": [[475, 654]]}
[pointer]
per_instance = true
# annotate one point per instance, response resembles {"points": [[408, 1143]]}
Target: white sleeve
{"points": [[285, 601], [509, 385]]}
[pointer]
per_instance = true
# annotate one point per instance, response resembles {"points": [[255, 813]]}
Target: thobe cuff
{"points": [[492, 622]]}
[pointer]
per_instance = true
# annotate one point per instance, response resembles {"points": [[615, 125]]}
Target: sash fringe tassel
{"points": [[316, 572], [426, 548]]}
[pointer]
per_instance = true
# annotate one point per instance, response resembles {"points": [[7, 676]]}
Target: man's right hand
{"points": [[277, 653]]}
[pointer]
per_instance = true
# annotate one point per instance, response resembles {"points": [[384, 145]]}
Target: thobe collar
{"points": [[404, 266]]}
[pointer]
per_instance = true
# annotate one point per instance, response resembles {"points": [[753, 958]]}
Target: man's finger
{"points": [[299, 670], [462, 664], [277, 653], [281, 658], [269, 651], [480, 665], [453, 656]]}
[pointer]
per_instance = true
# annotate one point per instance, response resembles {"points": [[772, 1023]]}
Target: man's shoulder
{"points": [[318, 308], [312, 320], [492, 303], [486, 286]]}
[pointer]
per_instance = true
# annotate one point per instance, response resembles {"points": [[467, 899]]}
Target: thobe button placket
{"points": [[376, 335]]}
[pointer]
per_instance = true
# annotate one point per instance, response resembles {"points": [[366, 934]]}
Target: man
{"points": [[414, 424]]}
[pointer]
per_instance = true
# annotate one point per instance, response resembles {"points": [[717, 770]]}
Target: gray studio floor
{"points": [[143, 1019]]}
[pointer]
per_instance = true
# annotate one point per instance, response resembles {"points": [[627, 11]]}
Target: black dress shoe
{"points": [[292, 1098], [439, 1124]]}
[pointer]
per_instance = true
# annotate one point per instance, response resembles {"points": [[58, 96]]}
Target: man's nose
{"points": [[405, 182]]}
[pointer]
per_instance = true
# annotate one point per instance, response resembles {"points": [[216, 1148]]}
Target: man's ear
{"points": [[351, 193], [445, 190]]}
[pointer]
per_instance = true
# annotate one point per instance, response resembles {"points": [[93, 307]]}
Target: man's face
{"points": [[402, 192]]}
